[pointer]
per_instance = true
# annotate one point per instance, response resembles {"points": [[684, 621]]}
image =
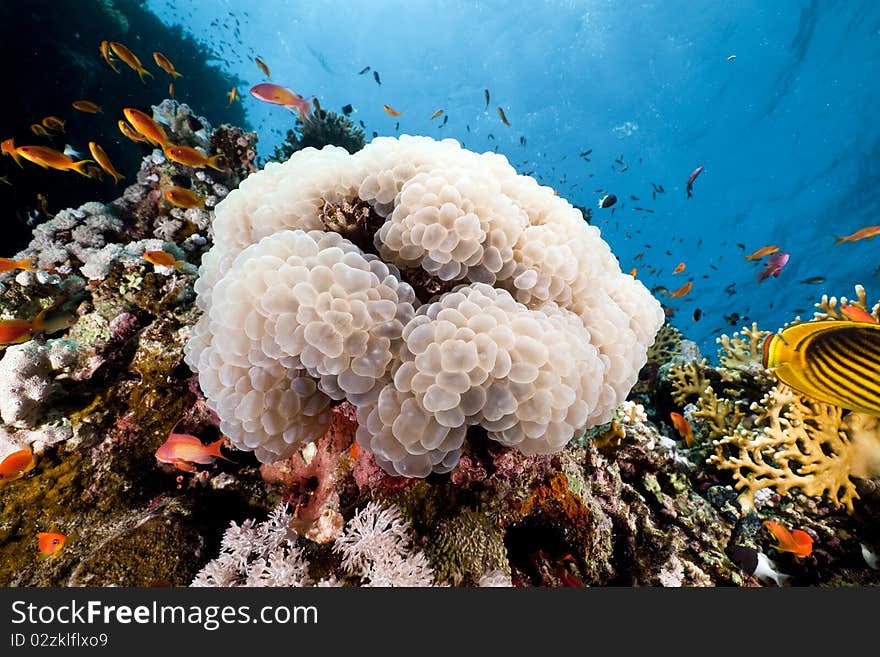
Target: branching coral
{"points": [[688, 380], [801, 443], [829, 307], [742, 350], [720, 416], [544, 336]]}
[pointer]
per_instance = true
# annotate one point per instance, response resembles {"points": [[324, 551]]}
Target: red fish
{"points": [[774, 265], [763, 251], [16, 331], [683, 290], [679, 268], [865, 233], [683, 427], [855, 313], [263, 67], [50, 542], [798, 542], [16, 464], [183, 451], [278, 95], [8, 264], [691, 178]]}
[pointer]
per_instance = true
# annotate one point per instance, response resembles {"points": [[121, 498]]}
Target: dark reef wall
{"points": [[50, 54]]}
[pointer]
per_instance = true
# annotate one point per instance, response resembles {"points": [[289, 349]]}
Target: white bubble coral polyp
{"points": [[477, 357], [542, 337]]}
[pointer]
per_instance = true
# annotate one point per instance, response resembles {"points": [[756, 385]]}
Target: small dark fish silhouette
{"points": [[347, 109], [486, 94], [522, 141], [690, 181], [376, 78], [363, 125], [503, 117], [634, 198], [813, 280], [586, 154], [445, 119], [697, 314], [607, 201], [363, 70]]}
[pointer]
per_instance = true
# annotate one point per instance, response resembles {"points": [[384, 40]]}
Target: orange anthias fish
{"points": [[184, 198], [678, 268], [131, 133], [390, 110], [104, 161], [8, 264], [278, 95], [86, 106], [105, 53], [162, 259], [436, 114], [171, 89], [50, 542], [684, 289], [53, 123], [503, 117], [865, 233], [8, 148], [798, 542], [232, 95], [145, 125], [130, 59], [193, 158], [16, 465], [855, 313], [39, 130], [165, 64], [183, 451], [683, 427], [763, 251], [16, 331], [633, 272], [263, 67], [49, 158]]}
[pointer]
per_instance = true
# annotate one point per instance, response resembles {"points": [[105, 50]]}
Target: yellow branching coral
{"points": [[688, 379], [720, 416], [828, 306], [667, 343], [801, 443], [743, 349]]}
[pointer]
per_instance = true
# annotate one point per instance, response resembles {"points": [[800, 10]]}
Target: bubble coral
{"points": [[529, 329]]}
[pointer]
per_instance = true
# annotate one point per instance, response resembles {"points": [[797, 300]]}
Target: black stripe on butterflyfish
{"points": [[835, 361], [839, 382]]}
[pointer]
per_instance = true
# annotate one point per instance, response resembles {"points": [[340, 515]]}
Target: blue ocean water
{"points": [[776, 100]]}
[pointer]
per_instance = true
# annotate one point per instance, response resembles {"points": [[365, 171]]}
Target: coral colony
{"points": [[393, 364]]}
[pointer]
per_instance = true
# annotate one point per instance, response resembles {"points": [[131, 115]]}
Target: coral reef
{"points": [[803, 443], [495, 358], [320, 128]]}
